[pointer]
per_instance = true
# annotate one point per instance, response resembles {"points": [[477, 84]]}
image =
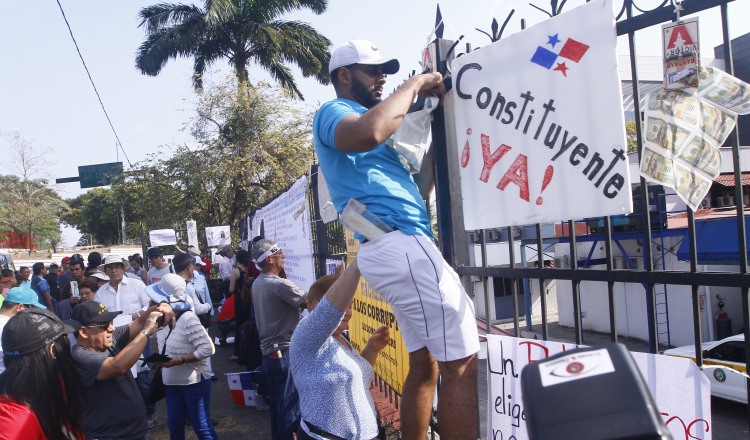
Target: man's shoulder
{"points": [[87, 356], [340, 105]]}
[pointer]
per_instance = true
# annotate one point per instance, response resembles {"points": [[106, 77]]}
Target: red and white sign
{"points": [[679, 388], [681, 54], [539, 123]]}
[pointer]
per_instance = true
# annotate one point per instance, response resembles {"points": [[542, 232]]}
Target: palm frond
{"points": [[165, 15], [268, 10]]}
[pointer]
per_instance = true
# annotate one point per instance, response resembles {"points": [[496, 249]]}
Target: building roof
{"points": [[728, 179], [644, 88]]}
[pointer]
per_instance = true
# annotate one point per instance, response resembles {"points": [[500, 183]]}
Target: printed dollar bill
{"points": [[703, 156], [657, 167], [724, 90], [691, 186], [664, 134]]}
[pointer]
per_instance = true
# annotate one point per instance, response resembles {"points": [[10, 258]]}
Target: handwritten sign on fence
{"points": [[539, 123], [681, 391]]}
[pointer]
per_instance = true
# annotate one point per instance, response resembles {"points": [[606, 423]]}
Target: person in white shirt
{"points": [[187, 375], [127, 295]]}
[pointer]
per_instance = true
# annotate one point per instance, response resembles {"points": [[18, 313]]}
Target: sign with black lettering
{"points": [[539, 123], [681, 391]]}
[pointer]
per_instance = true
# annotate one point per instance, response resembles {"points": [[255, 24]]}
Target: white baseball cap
{"points": [[361, 52]]}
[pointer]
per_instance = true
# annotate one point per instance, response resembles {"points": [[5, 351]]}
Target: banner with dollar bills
{"points": [[539, 123], [685, 130]]}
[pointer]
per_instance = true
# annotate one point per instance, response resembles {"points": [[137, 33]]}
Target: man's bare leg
{"points": [[418, 395], [457, 399]]}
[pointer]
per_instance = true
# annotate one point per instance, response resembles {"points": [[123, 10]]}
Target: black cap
{"points": [[92, 312], [32, 329], [154, 252], [181, 261]]}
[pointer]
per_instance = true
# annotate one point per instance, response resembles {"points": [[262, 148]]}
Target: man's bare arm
{"points": [[360, 133]]}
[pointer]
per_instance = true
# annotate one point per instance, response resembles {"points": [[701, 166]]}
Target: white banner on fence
{"points": [[286, 220], [539, 123], [681, 392], [162, 237], [218, 236], [192, 233]]}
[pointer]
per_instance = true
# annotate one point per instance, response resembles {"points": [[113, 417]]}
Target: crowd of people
{"points": [[315, 384]]}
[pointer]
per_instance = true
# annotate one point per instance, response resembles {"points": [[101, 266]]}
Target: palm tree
{"points": [[238, 30]]}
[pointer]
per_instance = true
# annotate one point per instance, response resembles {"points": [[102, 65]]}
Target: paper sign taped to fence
{"points": [[217, 236], [539, 123], [681, 391], [162, 237]]}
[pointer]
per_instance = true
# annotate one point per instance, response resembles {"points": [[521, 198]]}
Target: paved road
{"points": [[730, 420], [233, 422]]}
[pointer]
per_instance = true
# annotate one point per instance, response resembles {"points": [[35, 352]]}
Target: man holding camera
{"points": [[114, 407]]}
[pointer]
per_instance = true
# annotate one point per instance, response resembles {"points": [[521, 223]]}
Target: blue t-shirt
{"points": [[40, 285], [375, 178]]}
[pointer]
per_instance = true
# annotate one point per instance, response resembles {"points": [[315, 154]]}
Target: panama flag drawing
{"points": [[241, 388], [539, 123]]}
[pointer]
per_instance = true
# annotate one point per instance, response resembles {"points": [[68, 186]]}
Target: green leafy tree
{"points": [[249, 144], [27, 203], [631, 137], [94, 213], [240, 31]]}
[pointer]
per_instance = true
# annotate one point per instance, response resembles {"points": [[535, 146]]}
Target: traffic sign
{"points": [[99, 175]]}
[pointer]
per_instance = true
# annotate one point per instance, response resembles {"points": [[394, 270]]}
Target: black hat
{"points": [[181, 261], [31, 329], [154, 252], [92, 312]]}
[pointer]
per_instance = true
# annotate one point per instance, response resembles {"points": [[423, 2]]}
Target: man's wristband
{"points": [[145, 333], [184, 361]]}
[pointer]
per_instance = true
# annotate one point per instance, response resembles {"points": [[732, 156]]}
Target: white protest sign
{"points": [[539, 123], [192, 233], [218, 236], [681, 391], [286, 220], [162, 237]]}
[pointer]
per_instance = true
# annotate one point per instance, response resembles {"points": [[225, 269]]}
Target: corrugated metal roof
{"points": [[728, 179], [644, 87]]}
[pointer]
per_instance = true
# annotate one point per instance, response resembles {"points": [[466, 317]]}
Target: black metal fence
{"points": [[631, 19]]}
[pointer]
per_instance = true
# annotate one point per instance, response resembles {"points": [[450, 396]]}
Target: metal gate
{"points": [[454, 242]]}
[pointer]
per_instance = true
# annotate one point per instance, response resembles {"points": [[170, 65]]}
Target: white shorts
{"points": [[430, 304]]}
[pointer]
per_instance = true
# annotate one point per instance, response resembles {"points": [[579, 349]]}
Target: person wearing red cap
{"points": [[434, 314]]}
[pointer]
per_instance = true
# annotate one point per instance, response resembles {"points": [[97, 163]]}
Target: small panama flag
{"points": [[572, 50], [241, 388]]}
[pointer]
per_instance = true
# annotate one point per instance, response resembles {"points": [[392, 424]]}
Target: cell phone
{"points": [[156, 357], [160, 321]]}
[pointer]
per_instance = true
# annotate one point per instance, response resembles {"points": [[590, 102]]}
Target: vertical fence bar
{"points": [[576, 284], [610, 284], [653, 337], [486, 285], [542, 292], [735, 140], [513, 287]]}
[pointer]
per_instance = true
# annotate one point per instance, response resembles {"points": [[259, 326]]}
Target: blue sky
{"points": [[46, 95]]}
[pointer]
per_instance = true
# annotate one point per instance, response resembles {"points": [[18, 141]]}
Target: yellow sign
{"points": [[369, 312]]}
